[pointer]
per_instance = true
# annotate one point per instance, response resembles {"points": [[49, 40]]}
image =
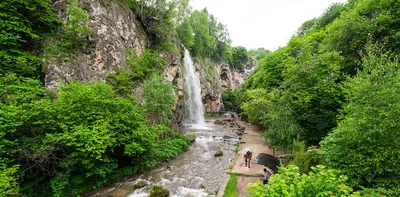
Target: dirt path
{"points": [[251, 139]]}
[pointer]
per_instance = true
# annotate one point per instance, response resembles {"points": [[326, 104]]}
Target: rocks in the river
{"points": [[218, 153], [140, 184], [158, 191], [218, 122]]}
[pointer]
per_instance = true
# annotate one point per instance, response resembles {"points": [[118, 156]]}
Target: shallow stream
{"points": [[194, 173]]}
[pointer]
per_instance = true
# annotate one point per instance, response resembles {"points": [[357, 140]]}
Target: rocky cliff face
{"points": [[115, 30], [173, 73], [215, 78]]}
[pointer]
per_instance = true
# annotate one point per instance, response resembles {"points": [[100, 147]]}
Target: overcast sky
{"points": [[263, 23]]}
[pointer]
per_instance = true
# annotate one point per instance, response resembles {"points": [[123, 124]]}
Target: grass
{"points": [[231, 189]]}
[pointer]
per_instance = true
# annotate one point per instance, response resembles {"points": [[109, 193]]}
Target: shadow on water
{"points": [[195, 173]]}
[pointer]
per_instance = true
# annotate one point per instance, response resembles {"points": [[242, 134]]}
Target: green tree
{"points": [[22, 25], [269, 72], [159, 100], [280, 121], [300, 156], [231, 100], [204, 42], [255, 105], [8, 179], [366, 142], [185, 33], [239, 57], [259, 53]]}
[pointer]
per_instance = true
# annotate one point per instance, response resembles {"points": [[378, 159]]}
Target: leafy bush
{"points": [[139, 69], [366, 142], [255, 105], [289, 182], [231, 100], [71, 38], [210, 37], [159, 100], [76, 140], [8, 179], [239, 58], [300, 157], [23, 24]]}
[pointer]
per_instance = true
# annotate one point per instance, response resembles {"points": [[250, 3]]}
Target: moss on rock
{"points": [[158, 191]]}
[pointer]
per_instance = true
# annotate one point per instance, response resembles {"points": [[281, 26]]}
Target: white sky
{"points": [[263, 23]]}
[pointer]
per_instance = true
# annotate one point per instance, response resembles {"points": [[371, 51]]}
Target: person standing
{"points": [[267, 175], [247, 158]]}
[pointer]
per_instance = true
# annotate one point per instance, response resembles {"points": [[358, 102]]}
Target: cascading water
{"points": [[194, 173], [193, 92]]}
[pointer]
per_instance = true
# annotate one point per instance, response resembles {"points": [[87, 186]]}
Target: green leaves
{"points": [[232, 100], [204, 36], [160, 98], [80, 137], [289, 182], [140, 69], [239, 58], [8, 179], [23, 23], [365, 143]]}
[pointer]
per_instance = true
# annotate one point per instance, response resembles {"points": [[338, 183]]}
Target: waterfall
{"points": [[193, 91]]}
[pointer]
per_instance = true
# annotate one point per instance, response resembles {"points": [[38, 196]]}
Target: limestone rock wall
{"points": [[115, 29]]}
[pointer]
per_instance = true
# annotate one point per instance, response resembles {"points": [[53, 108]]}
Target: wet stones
{"points": [[158, 191], [140, 185], [218, 153], [218, 122]]}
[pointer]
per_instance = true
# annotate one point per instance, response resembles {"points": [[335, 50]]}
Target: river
{"points": [[194, 173]]}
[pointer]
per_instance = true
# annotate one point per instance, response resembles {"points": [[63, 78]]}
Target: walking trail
{"points": [[252, 139]]}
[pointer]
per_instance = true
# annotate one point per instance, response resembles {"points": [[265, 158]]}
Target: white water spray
{"points": [[193, 92]]}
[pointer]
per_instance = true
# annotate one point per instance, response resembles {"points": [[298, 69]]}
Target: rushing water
{"points": [[194, 173], [193, 92]]}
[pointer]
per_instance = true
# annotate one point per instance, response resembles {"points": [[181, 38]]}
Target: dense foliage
{"points": [[335, 84], [320, 182], [22, 25], [138, 69], [159, 98], [159, 19], [231, 100], [71, 38], [259, 53], [307, 75], [204, 36], [240, 57], [367, 140], [76, 139]]}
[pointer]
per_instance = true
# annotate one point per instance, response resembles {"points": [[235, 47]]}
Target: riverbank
{"points": [[252, 139], [196, 172]]}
